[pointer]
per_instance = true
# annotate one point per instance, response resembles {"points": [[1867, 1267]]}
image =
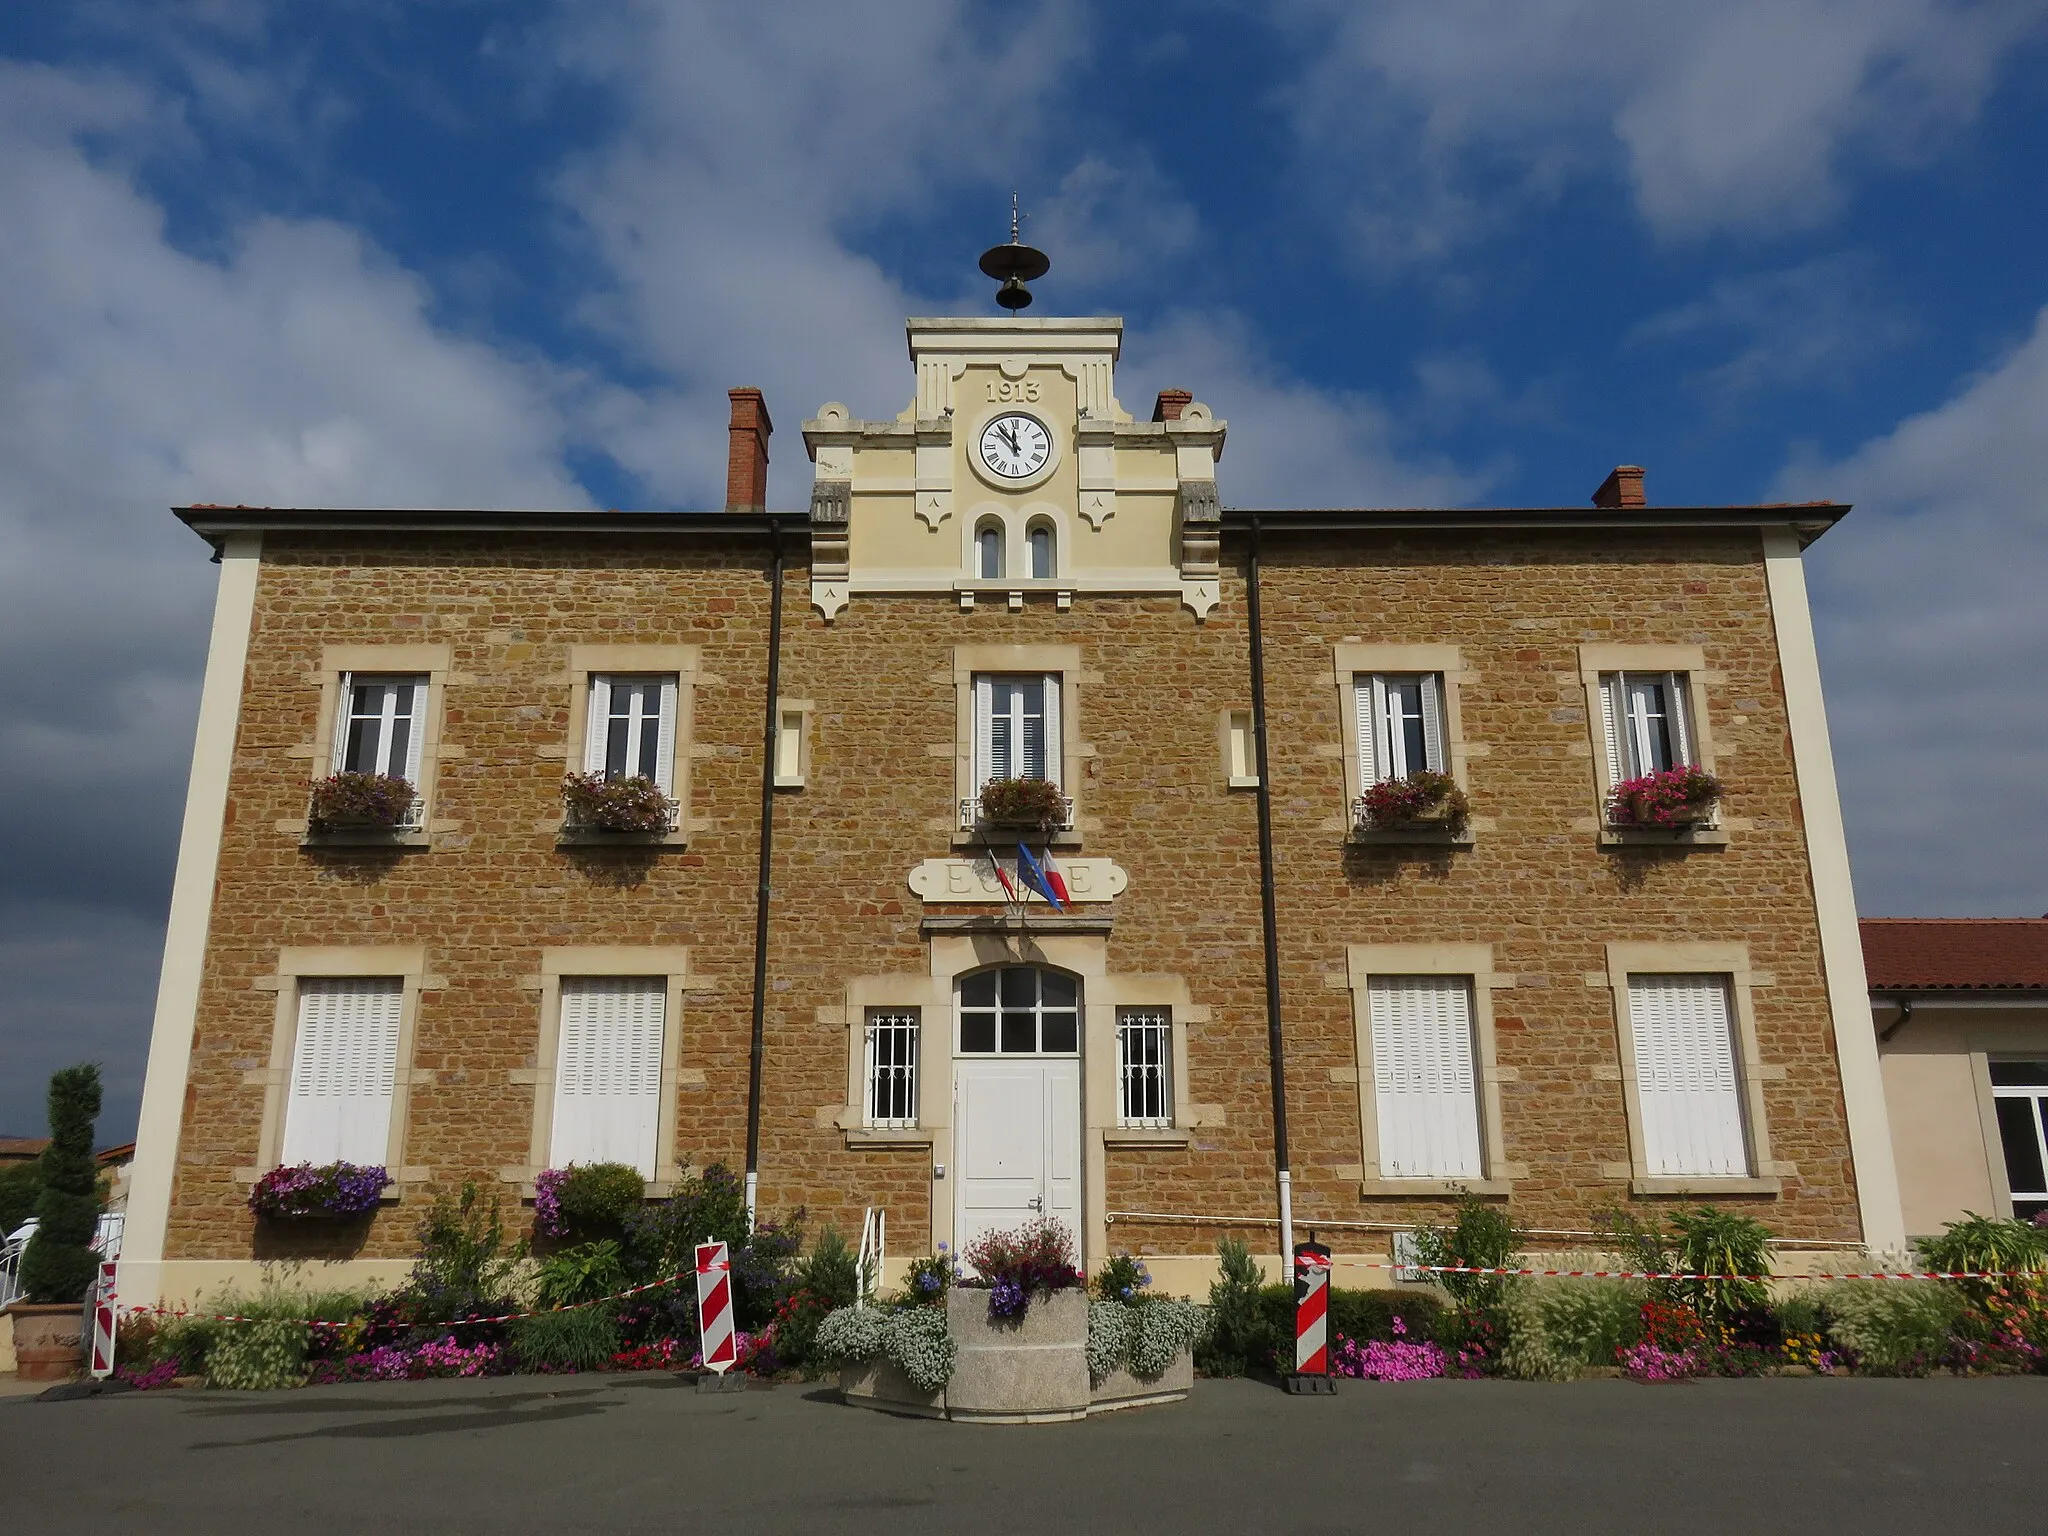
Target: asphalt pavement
{"points": [[634, 1453]]}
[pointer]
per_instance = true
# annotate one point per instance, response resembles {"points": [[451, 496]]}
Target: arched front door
{"points": [[1016, 1101]]}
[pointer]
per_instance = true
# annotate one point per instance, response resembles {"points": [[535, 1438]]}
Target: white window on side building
{"points": [[608, 1071], [1144, 1067], [1400, 725], [1687, 1078], [632, 731], [1016, 727], [2019, 1093], [344, 1063], [382, 725], [891, 1067], [1425, 1089], [1645, 723]]}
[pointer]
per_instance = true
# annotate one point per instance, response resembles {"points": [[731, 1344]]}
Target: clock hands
{"points": [[1007, 431]]}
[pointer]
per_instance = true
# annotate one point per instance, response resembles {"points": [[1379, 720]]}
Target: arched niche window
{"points": [[1038, 542], [988, 550]]}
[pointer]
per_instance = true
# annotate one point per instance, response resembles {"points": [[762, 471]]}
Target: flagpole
{"points": [[1275, 1045]]}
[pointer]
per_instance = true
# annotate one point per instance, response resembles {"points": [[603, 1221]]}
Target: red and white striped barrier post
{"points": [[1311, 1318], [105, 1319], [714, 1308]]}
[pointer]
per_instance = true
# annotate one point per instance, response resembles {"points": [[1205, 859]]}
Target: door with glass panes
{"points": [[1016, 1101]]}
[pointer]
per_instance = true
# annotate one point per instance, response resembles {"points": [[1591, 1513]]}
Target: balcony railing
{"points": [[572, 821], [971, 819], [412, 819]]}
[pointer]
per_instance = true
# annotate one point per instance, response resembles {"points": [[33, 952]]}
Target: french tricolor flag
{"points": [[1043, 877]]}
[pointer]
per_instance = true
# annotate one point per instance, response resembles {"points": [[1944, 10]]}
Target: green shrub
{"points": [[21, 1185], [464, 1267], [1366, 1315], [258, 1357], [1978, 1244], [1801, 1314], [581, 1340], [1896, 1327], [1238, 1335], [59, 1263], [831, 1271], [1711, 1241], [265, 1353], [915, 1338], [1480, 1236], [597, 1198], [1556, 1328], [583, 1273]]}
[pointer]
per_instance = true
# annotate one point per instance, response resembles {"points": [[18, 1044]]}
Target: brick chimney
{"points": [[1622, 488], [1170, 404], [746, 461]]}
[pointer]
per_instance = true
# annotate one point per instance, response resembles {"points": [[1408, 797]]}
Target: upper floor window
{"points": [[1400, 724], [1038, 542], [988, 552], [632, 728], [381, 725], [1016, 727], [1643, 715]]}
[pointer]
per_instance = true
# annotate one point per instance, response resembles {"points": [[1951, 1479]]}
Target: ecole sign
{"points": [[974, 880]]}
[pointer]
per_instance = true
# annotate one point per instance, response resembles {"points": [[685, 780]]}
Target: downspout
{"points": [[1905, 1006], [768, 733], [1275, 1047]]}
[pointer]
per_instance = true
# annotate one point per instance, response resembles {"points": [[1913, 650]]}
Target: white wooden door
{"points": [[1017, 1145]]}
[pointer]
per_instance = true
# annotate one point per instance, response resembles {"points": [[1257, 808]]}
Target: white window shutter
{"points": [[1612, 706], [416, 728], [1433, 723], [1424, 1084], [344, 1062], [1677, 709], [1367, 705], [985, 766], [597, 732], [608, 1071], [1686, 1079], [339, 755], [665, 742], [1052, 727]]}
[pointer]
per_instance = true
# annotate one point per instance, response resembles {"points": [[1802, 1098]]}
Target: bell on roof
{"points": [[1014, 265]]}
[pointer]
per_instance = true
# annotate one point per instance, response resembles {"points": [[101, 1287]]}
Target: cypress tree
{"points": [[59, 1263]]}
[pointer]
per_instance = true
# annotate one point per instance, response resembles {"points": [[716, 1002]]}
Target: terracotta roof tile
{"points": [[1956, 953], [23, 1146]]}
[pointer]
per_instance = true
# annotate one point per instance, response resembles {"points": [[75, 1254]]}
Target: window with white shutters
{"points": [[1424, 1085], [632, 732], [1144, 1066], [891, 1069], [1688, 1084], [382, 725], [344, 1063], [1645, 723], [608, 1071], [1400, 724], [1016, 727]]}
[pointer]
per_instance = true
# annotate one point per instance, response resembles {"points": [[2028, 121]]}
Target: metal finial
{"points": [[1014, 216], [1015, 264]]}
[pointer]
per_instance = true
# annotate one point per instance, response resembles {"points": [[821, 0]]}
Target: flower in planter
{"points": [[360, 800], [598, 804], [1424, 799], [328, 1189], [1015, 1266], [586, 1199], [1677, 797], [1022, 803]]}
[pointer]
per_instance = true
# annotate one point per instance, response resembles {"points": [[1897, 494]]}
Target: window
{"points": [[1144, 1067], [2019, 1090], [1240, 750], [1017, 727], [1038, 542], [344, 1065], [792, 743], [1400, 724], [1424, 1085], [632, 728], [1020, 1011], [891, 1070], [988, 551], [608, 1072], [1643, 715], [1688, 1081], [381, 730]]}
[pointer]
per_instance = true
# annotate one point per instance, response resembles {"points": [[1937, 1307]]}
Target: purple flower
{"points": [[548, 1219], [329, 1189]]}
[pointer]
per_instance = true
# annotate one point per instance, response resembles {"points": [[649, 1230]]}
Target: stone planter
{"points": [[1033, 1371], [1120, 1389], [882, 1384], [49, 1341]]}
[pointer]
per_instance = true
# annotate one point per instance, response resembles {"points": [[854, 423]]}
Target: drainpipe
{"points": [[768, 732], [1275, 1048], [1905, 1006]]}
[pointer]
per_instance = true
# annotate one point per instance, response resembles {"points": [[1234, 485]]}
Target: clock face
{"points": [[1015, 446]]}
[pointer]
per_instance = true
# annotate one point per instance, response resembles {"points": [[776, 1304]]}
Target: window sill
{"points": [[366, 837], [1704, 1188], [1003, 837], [1147, 1136], [1663, 837], [1434, 1189], [884, 1136], [1428, 837], [596, 837]]}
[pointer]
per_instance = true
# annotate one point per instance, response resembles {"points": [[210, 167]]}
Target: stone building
{"points": [[1016, 579]]}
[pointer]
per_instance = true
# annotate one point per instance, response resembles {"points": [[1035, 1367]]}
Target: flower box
{"points": [[1424, 802], [326, 1192], [593, 804], [363, 802], [1023, 804], [1676, 800]]}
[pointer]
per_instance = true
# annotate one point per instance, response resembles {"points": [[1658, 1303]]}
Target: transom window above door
{"points": [[1020, 1011]]}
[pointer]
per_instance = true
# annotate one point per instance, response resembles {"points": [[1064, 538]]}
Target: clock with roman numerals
{"points": [[1014, 446]]}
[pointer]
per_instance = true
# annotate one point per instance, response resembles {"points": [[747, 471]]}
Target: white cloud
{"points": [[1444, 117], [1934, 634]]}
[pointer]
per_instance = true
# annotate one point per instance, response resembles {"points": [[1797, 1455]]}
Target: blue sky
{"points": [[457, 253]]}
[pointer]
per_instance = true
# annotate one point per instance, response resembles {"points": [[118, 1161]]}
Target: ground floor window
{"points": [[2020, 1091], [892, 1067], [344, 1063], [608, 1074], [1424, 1085], [1144, 1066]]}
